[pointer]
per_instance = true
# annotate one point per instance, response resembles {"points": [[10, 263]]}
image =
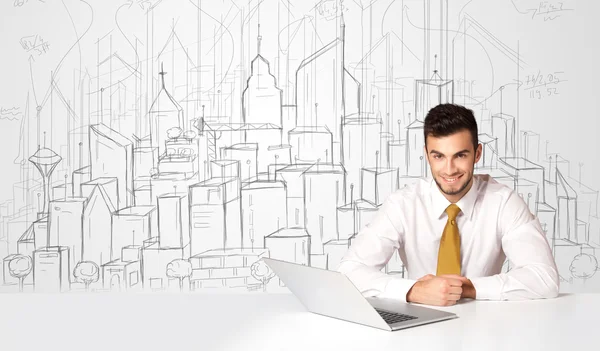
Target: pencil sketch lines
{"points": [[35, 43], [173, 147]]}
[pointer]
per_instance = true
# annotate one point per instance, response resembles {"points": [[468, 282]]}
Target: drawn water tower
{"points": [[45, 160]]}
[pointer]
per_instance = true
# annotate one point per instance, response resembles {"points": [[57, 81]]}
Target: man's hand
{"points": [[436, 291], [468, 288]]}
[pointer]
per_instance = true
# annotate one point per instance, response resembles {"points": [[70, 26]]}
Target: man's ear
{"points": [[478, 153]]}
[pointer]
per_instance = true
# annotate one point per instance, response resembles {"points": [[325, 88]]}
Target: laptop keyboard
{"points": [[391, 317]]}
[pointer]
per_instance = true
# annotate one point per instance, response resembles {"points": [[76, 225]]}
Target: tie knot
{"points": [[452, 211]]}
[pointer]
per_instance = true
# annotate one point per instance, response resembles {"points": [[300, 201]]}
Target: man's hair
{"points": [[447, 119]]}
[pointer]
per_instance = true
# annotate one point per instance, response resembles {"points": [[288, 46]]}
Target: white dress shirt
{"points": [[494, 223]]}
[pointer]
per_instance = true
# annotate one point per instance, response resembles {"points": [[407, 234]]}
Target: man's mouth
{"points": [[452, 180]]}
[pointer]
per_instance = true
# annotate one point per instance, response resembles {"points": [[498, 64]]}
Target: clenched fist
{"points": [[436, 291]]}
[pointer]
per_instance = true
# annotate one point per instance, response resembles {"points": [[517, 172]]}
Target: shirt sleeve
{"points": [[534, 274], [371, 250]]}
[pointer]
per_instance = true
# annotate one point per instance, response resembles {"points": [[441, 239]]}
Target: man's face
{"points": [[452, 160]]}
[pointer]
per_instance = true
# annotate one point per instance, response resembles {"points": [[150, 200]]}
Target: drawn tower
{"points": [[165, 113], [261, 111], [45, 160], [317, 81]]}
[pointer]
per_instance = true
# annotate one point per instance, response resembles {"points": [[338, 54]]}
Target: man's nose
{"points": [[450, 167]]}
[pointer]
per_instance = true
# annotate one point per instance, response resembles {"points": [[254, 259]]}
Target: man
{"points": [[453, 232]]}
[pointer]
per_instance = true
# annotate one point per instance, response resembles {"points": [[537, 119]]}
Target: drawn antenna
{"points": [[162, 74], [258, 40]]}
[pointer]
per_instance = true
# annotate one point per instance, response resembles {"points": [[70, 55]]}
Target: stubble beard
{"points": [[452, 193]]}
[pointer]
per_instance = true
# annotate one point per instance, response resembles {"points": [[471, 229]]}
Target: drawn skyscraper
{"points": [[317, 83], [261, 106], [415, 154], [112, 156], [215, 210], [66, 228], [97, 227], [437, 89], [503, 128], [173, 221], [264, 211], [361, 146], [261, 99], [324, 189]]}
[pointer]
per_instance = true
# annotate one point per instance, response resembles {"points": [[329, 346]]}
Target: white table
{"points": [[258, 321]]}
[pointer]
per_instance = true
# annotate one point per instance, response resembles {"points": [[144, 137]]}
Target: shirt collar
{"points": [[439, 203]]}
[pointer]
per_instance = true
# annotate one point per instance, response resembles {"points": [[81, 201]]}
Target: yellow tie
{"points": [[449, 253]]}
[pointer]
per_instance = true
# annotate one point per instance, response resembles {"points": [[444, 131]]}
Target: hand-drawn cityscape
{"points": [[171, 145]]}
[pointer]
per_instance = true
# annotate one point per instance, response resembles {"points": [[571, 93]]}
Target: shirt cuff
{"points": [[487, 288], [397, 288]]}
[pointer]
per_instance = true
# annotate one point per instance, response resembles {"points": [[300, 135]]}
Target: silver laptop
{"points": [[332, 294]]}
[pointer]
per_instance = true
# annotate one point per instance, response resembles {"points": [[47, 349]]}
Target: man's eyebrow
{"points": [[465, 151]]}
